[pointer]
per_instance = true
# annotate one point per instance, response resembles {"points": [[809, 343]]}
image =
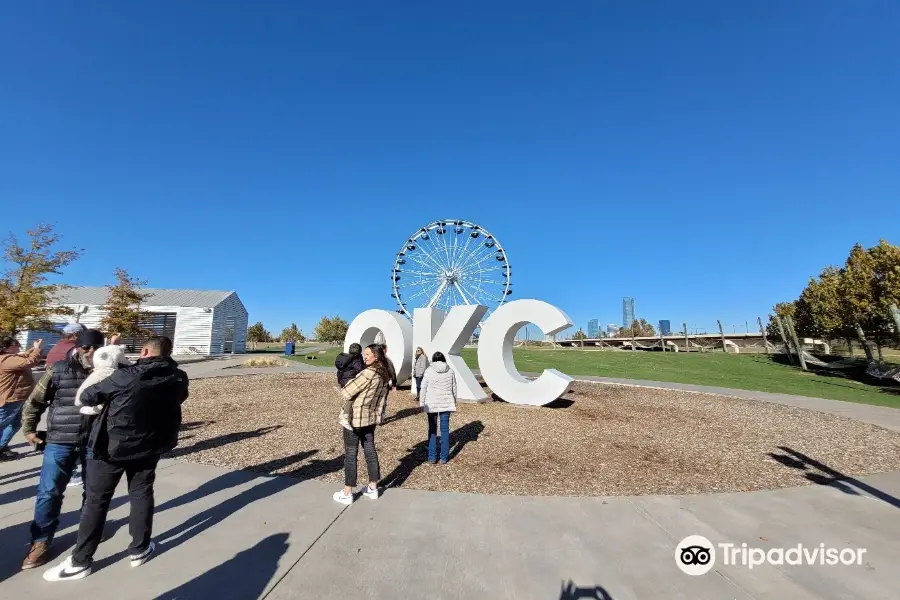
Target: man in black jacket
{"points": [[140, 423], [67, 431]]}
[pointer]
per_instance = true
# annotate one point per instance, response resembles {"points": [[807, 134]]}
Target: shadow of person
{"points": [[33, 471], [402, 414], [464, 435], [14, 540], [269, 486], [243, 577], [570, 591], [222, 440], [828, 476], [418, 454]]}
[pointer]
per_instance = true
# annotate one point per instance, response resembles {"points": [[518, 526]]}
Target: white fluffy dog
{"points": [[106, 360]]}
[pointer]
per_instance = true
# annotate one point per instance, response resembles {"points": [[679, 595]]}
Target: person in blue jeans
{"points": [[16, 383], [437, 397], [67, 431]]}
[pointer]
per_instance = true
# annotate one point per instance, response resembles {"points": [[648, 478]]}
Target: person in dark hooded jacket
{"points": [[349, 365], [140, 423]]}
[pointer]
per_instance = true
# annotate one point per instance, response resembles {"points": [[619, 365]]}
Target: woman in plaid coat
{"points": [[364, 400]]}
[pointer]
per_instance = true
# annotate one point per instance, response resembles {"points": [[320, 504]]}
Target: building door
{"points": [[228, 338]]}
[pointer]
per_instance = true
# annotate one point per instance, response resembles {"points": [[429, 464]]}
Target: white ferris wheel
{"points": [[448, 263]]}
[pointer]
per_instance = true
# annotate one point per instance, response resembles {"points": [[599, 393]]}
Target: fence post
{"points": [[787, 347], [796, 340], [662, 342], [722, 333], [762, 331], [895, 312], [633, 349]]}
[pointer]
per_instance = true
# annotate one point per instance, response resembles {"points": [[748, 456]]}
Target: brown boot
{"points": [[37, 556]]}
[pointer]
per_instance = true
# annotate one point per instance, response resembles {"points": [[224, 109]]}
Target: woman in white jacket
{"points": [[437, 397]]}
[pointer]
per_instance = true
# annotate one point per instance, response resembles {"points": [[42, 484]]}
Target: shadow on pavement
{"points": [[20, 474], [14, 540], [570, 591], [243, 577], [214, 515], [828, 476]]}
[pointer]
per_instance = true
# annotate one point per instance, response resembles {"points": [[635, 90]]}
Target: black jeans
{"points": [[100, 485], [352, 439]]}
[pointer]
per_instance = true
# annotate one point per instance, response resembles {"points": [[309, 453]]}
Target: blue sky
{"points": [[702, 157]]}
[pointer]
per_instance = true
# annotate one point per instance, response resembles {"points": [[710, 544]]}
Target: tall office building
{"points": [[594, 328], [665, 328], [627, 311]]}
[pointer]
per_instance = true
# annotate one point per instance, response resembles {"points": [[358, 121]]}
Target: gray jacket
{"points": [[438, 393], [420, 366]]}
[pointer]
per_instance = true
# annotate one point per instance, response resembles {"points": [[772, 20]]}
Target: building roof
{"points": [[160, 297]]}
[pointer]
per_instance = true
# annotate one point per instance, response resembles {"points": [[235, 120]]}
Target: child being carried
{"points": [[106, 360]]}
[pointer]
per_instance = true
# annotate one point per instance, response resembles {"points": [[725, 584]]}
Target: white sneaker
{"points": [[139, 559], [66, 571], [370, 493], [343, 498]]}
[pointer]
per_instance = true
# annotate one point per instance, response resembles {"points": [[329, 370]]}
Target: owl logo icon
{"points": [[695, 555]]}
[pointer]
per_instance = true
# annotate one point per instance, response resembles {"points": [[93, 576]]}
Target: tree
{"points": [[817, 313], [292, 334], [123, 306], [841, 302], [579, 335], [886, 284], [639, 328], [256, 333], [27, 300], [856, 291], [332, 329]]}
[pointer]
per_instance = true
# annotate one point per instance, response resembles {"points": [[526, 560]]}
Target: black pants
{"points": [[100, 485], [352, 439]]}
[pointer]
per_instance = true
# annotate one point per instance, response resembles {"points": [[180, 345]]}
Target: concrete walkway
{"points": [[237, 535]]}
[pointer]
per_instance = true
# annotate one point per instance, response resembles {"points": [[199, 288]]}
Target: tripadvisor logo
{"points": [[696, 555]]}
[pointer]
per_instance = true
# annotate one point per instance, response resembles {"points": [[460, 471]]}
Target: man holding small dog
{"points": [[67, 431]]}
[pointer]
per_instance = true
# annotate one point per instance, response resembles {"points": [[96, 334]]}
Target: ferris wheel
{"points": [[448, 263]]}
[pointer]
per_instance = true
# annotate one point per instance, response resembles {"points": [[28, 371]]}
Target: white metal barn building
{"points": [[198, 321]]}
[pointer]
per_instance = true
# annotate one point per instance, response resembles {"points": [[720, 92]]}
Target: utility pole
{"points": [[687, 343], [722, 333]]}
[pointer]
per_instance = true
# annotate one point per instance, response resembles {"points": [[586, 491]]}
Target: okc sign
{"points": [[436, 331]]}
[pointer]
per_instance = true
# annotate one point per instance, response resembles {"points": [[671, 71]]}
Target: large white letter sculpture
{"points": [[437, 331], [495, 352], [397, 332]]}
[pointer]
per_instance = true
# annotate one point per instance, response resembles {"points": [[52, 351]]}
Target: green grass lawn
{"points": [[741, 371], [321, 360]]}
